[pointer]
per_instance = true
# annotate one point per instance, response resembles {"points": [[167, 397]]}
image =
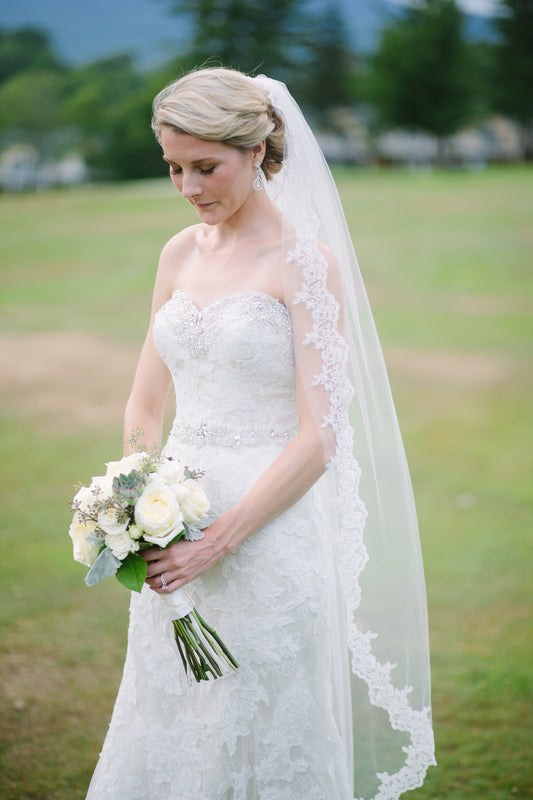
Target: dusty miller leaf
{"points": [[105, 566], [192, 533]]}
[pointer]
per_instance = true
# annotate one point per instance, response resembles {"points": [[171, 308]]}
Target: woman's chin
{"points": [[209, 213]]}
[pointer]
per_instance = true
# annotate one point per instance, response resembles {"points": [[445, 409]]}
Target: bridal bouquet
{"points": [[146, 500]]}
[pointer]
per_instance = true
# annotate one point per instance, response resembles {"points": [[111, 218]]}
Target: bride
{"points": [[310, 567]]}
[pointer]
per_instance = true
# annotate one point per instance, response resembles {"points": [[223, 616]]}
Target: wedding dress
{"points": [[277, 728], [324, 608]]}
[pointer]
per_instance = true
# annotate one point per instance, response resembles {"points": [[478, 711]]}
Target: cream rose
{"points": [[172, 472], [158, 513], [83, 552], [101, 487], [84, 498], [192, 500], [121, 544], [109, 522], [125, 465]]}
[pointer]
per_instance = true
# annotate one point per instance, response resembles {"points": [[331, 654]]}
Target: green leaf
{"points": [[132, 573], [105, 566]]}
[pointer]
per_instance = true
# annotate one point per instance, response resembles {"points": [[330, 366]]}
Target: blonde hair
{"points": [[222, 105]]}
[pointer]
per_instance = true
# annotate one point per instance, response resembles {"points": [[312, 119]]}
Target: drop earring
{"points": [[259, 182]]}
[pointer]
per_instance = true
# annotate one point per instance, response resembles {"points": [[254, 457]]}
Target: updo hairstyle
{"points": [[222, 105]]}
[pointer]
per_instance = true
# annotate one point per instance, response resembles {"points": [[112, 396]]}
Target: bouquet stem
{"points": [[203, 654]]}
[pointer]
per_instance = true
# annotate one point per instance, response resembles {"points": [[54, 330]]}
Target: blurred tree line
{"points": [[423, 76]]}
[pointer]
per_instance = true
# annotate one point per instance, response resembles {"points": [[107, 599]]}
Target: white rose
{"points": [[121, 544], [171, 472], [84, 498], [193, 501], [125, 465], [101, 487], [109, 522], [83, 552], [158, 513]]}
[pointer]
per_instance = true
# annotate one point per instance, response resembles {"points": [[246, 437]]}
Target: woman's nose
{"points": [[190, 186]]}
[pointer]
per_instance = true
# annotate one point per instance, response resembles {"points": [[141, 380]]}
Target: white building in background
{"points": [[497, 139], [21, 169]]}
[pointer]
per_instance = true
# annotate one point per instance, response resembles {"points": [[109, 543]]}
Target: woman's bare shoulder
{"points": [[173, 255], [176, 253], [183, 242]]}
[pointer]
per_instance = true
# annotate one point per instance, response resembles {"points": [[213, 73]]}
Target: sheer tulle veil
{"points": [[366, 496]]}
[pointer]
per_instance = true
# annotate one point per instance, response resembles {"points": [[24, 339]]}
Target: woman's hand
{"points": [[182, 562]]}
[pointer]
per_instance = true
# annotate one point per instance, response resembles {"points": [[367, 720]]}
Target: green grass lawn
{"points": [[447, 259]]}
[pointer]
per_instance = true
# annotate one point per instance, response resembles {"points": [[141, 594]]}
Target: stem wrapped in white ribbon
{"points": [[178, 603], [203, 653]]}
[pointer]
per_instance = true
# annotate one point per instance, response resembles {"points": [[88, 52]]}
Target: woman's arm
{"points": [[146, 404]]}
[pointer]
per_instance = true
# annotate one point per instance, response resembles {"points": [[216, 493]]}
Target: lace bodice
{"points": [[232, 364]]}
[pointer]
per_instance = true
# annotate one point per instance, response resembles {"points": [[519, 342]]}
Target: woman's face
{"points": [[215, 178]]}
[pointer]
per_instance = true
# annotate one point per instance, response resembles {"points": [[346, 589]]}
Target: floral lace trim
{"points": [[326, 338]]}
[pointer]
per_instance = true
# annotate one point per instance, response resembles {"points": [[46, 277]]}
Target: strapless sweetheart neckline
{"points": [[269, 298]]}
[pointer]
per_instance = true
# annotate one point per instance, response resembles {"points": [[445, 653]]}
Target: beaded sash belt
{"points": [[221, 436]]}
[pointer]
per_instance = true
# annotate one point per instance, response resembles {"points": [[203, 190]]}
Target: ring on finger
{"points": [[164, 584]]}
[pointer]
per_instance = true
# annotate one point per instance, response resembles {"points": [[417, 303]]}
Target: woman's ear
{"points": [[258, 151]]}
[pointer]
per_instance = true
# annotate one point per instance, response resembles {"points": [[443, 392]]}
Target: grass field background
{"points": [[447, 259]]}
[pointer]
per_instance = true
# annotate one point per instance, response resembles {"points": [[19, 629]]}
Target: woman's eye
{"points": [[201, 170]]}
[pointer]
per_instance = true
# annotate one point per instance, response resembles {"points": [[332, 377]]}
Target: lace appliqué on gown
{"points": [[272, 730]]}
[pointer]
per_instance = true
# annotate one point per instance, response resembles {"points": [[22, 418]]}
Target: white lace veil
{"points": [[366, 494]]}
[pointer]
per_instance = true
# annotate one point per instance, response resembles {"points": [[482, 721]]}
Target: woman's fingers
{"points": [[154, 568], [159, 562], [152, 554], [180, 563]]}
